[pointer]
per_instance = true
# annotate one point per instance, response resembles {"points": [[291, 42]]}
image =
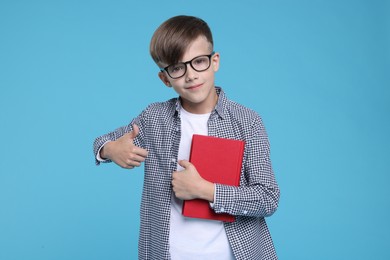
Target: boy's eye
{"points": [[199, 61], [176, 68]]}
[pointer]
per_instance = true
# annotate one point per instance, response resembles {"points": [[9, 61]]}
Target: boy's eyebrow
{"points": [[182, 61]]}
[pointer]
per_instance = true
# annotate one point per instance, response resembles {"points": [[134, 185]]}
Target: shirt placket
{"points": [[173, 157]]}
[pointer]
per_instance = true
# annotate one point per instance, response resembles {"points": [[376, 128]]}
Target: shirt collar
{"points": [[220, 107]]}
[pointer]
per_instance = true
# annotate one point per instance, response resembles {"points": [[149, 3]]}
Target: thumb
{"points": [[135, 132], [184, 163]]}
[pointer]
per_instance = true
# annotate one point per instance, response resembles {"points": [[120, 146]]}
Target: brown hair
{"points": [[171, 39]]}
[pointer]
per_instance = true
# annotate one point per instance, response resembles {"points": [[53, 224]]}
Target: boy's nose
{"points": [[191, 74]]}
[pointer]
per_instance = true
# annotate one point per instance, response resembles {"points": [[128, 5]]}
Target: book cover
{"points": [[217, 160]]}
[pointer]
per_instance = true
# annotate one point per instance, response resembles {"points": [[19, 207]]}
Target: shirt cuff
{"points": [[100, 159], [215, 193]]}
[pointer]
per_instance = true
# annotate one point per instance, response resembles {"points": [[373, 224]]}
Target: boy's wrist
{"points": [[207, 192], [104, 152]]}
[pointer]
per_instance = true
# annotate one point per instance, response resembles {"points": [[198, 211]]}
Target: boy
{"points": [[161, 137]]}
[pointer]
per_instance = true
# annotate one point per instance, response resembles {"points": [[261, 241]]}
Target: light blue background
{"points": [[317, 71]]}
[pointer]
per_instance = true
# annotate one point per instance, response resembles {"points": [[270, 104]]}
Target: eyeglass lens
{"points": [[199, 64]]}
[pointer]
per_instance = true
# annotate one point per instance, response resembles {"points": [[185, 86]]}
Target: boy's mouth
{"points": [[194, 87]]}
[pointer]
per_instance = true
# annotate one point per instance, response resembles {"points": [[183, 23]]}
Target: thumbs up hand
{"points": [[124, 152]]}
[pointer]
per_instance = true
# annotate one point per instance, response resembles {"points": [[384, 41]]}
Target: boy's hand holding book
{"points": [[188, 184]]}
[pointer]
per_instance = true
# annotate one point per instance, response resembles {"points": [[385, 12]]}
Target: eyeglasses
{"points": [[199, 64]]}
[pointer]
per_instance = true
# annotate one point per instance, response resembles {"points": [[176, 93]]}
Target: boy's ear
{"points": [[164, 79], [215, 61]]}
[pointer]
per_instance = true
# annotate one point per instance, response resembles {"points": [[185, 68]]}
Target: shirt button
{"points": [[173, 160], [222, 209], [245, 212]]}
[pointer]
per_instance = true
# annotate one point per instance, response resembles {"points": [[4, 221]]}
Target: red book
{"points": [[217, 160]]}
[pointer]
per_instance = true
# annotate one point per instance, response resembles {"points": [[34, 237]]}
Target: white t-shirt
{"points": [[192, 238]]}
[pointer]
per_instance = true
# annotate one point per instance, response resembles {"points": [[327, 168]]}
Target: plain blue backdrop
{"points": [[318, 72]]}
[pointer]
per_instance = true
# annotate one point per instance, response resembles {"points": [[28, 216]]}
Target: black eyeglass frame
{"points": [[188, 62]]}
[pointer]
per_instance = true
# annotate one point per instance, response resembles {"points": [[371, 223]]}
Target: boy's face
{"points": [[196, 89]]}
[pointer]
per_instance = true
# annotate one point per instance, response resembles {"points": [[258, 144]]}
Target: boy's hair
{"points": [[172, 38]]}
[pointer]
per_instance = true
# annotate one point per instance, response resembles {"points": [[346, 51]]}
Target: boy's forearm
{"points": [[98, 146], [255, 201]]}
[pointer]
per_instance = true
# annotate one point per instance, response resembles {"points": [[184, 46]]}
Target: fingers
{"points": [[135, 158], [135, 132], [140, 152], [130, 164], [125, 166]]}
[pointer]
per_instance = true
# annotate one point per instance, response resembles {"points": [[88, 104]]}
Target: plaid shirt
{"points": [[256, 198]]}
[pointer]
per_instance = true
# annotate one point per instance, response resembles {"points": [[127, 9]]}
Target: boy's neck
{"points": [[200, 108]]}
